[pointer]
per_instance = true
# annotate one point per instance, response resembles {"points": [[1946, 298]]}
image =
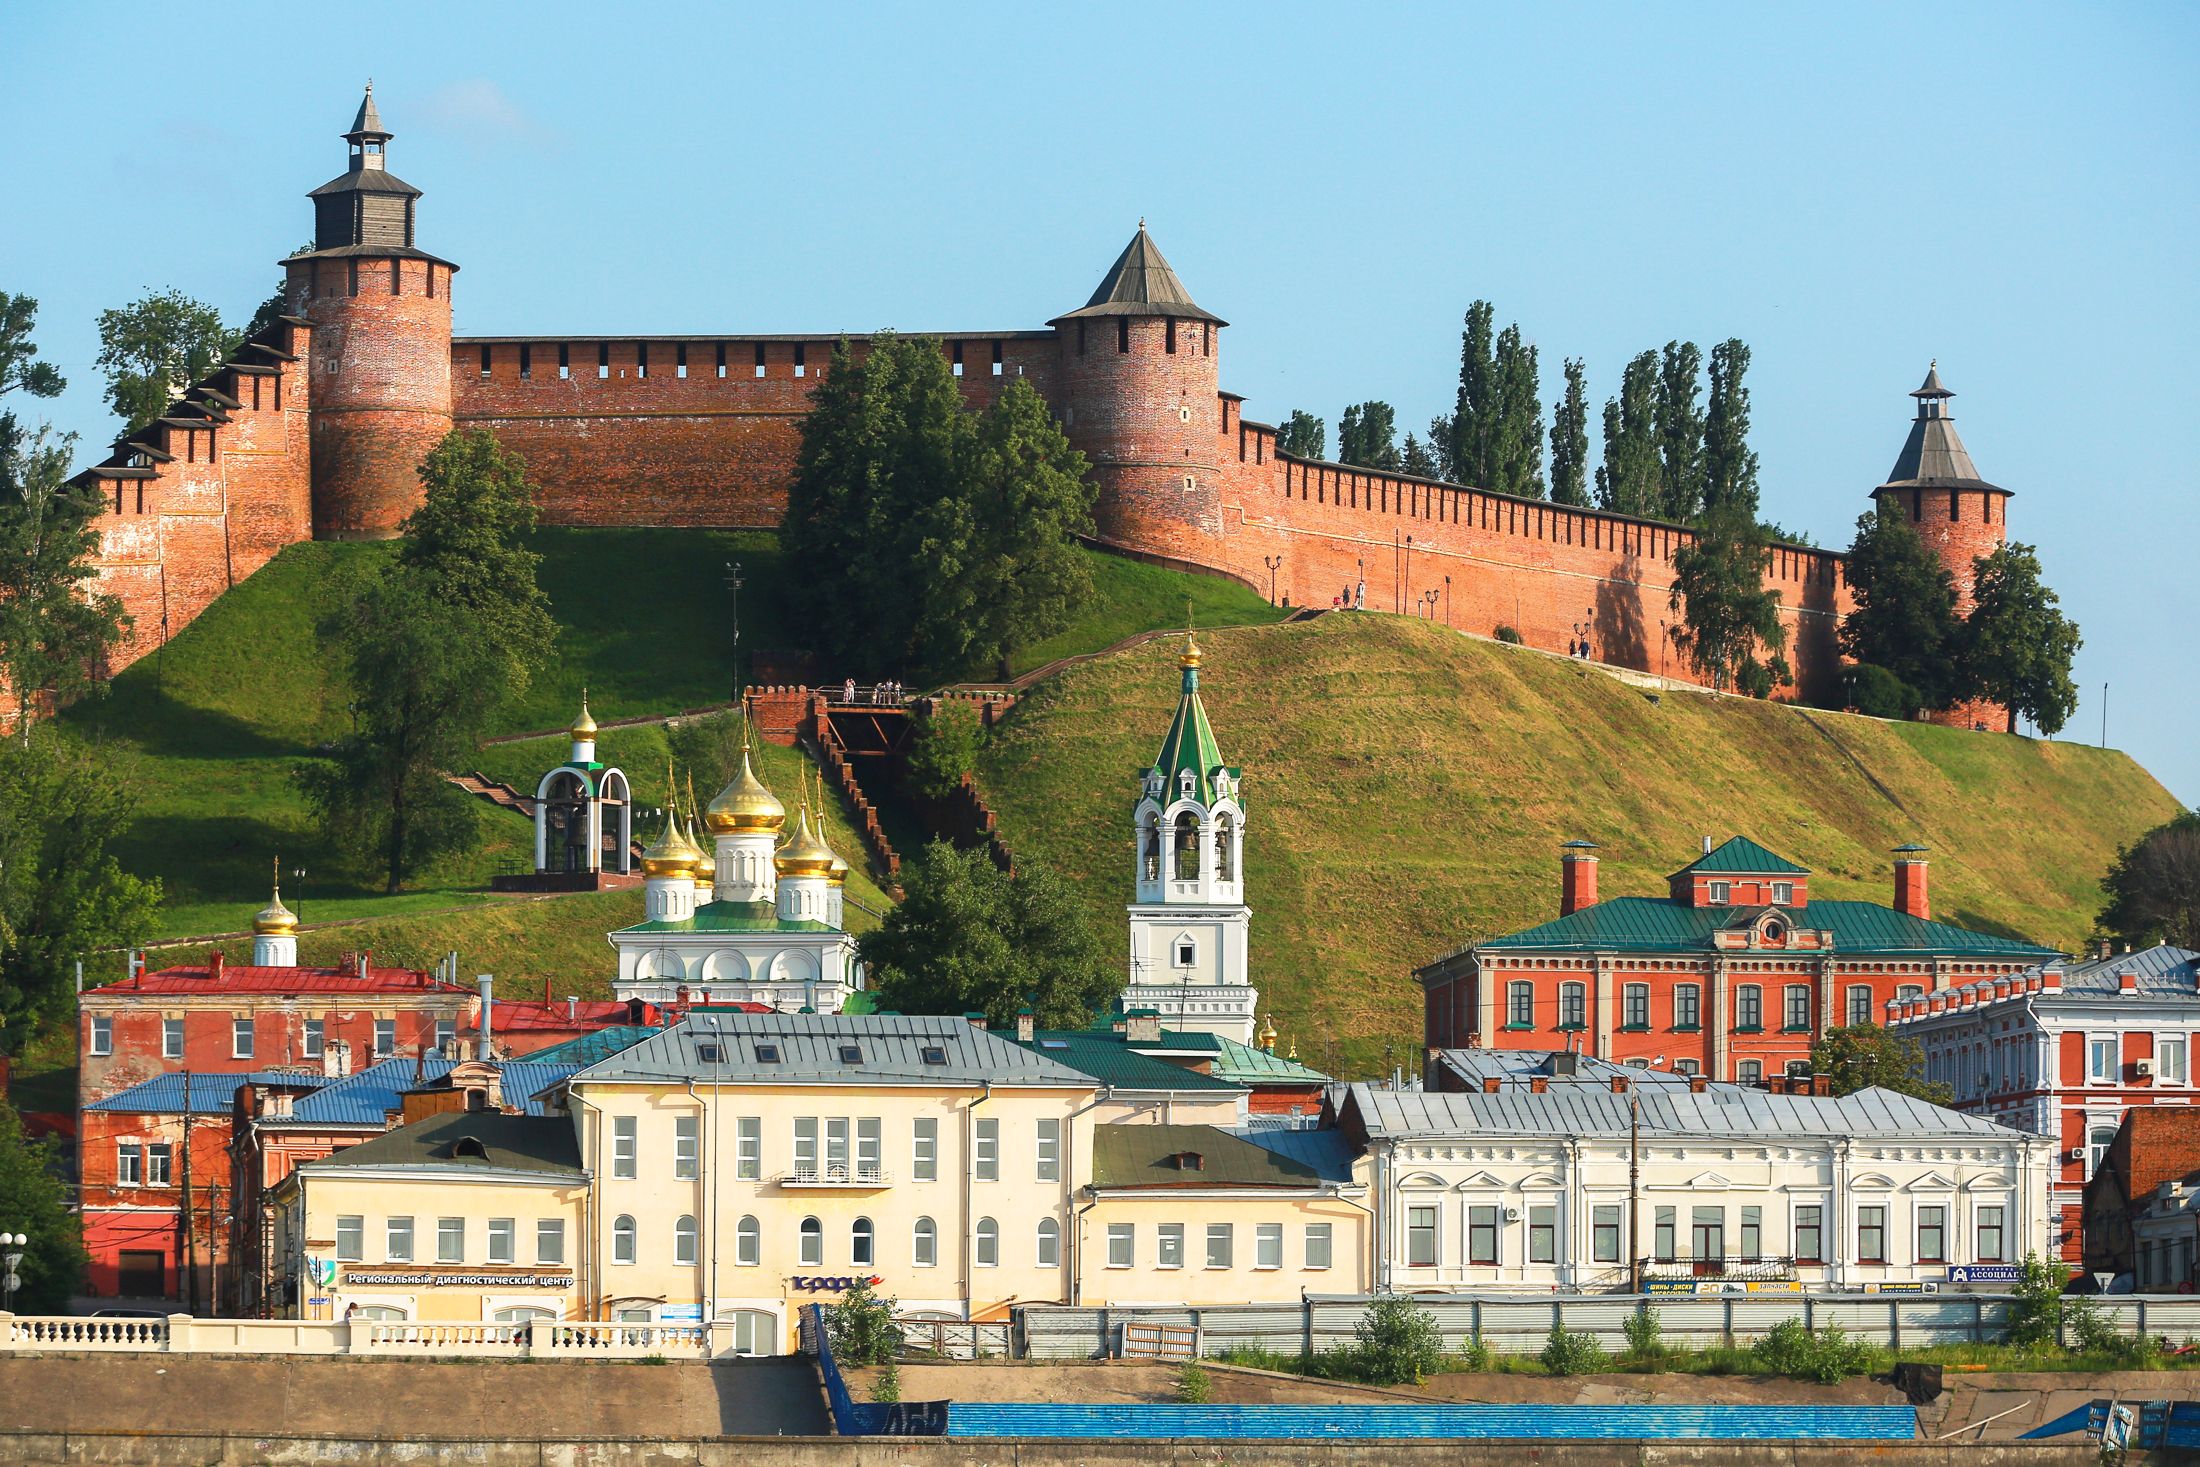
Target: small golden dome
{"points": [[584, 727], [838, 875], [745, 804], [806, 854], [275, 919], [672, 854], [1268, 1035], [1191, 652]]}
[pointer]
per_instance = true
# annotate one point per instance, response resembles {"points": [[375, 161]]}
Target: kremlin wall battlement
{"points": [[350, 392]]}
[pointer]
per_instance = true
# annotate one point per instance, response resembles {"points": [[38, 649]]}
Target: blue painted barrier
{"points": [[1403, 1422]]}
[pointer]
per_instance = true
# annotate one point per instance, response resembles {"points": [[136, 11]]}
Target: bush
{"points": [[1193, 1384], [2036, 1314], [946, 748], [1878, 692], [1508, 634], [1828, 1355], [1398, 1342], [862, 1329], [886, 1385], [1474, 1356], [1645, 1334], [1571, 1354]]}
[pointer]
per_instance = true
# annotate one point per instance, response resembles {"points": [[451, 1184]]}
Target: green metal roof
{"points": [[733, 917], [1151, 1156], [1249, 1066], [1658, 924], [1190, 745], [1109, 1058], [1740, 854], [595, 1045]]}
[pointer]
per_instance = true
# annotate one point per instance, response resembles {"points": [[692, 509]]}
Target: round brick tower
{"points": [[381, 313], [1138, 393], [1960, 515]]}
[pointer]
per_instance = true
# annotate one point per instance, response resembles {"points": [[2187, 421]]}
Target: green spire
{"points": [[1190, 745]]}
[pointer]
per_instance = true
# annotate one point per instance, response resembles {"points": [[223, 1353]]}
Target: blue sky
{"points": [[1853, 191]]}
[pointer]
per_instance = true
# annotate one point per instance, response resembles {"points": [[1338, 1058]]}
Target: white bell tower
{"points": [[1189, 923]]}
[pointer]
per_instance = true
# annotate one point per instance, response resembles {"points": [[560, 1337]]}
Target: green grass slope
{"points": [[1408, 789]]}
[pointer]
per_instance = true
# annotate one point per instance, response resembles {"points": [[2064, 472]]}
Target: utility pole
{"points": [[190, 1231], [1634, 1189], [2104, 715], [734, 583]]}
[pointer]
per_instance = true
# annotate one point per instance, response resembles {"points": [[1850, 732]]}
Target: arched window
{"points": [[859, 1241], [1225, 835], [812, 1253], [1152, 852], [1187, 847], [2097, 1144], [989, 1243], [1050, 1243], [924, 1244], [522, 1314], [748, 1243], [683, 1240], [622, 1239], [378, 1312]]}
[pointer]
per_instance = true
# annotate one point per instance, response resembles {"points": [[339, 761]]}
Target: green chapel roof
{"points": [[1190, 745]]}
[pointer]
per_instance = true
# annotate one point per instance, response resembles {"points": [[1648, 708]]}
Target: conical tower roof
{"points": [[369, 121], [1933, 456], [1190, 745], [1140, 283]]}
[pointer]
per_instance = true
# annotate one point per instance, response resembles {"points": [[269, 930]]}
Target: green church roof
{"points": [[1742, 855], [1656, 924], [733, 917], [1190, 746]]}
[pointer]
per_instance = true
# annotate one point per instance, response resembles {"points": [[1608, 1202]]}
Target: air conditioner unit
{"points": [[2144, 1068], [1512, 1214], [2077, 1153]]}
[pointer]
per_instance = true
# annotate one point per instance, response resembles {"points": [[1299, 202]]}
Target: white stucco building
{"points": [[1524, 1184], [1189, 924]]}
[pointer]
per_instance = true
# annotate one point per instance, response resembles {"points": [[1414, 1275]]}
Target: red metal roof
{"points": [[557, 1016], [244, 978]]}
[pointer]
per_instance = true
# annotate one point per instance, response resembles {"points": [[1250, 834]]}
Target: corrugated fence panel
{"points": [[1378, 1423], [1945, 1319]]}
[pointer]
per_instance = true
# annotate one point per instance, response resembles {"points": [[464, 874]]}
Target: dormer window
{"points": [[1186, 953], [767, 1054], [851, 1054], [1719, 893], [1184, 782], [1190, 1161], [709, 1052]]}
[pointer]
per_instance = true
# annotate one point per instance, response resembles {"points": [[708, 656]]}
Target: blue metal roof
{"points": [[525, 1080], [211, 1091], [367, 1098]]}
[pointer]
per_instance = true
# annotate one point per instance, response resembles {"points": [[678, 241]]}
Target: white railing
{"points": [[861, 1174], [535, 1339]]}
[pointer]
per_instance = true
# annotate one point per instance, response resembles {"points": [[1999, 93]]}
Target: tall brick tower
{"points": [[1958, 514], [1138, 394], [381, 312]]}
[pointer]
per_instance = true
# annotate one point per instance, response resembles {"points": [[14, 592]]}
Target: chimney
{"points": [[1619, 1084], [1696, 1084], [487, 983], [1577, 876], [1821, 1084], [1027, 1024], [1538, 1084], [975, 1018], [1143, 1028], [336, 1059], [214, 966], [1707, 845], [1491, 1084], [572, 1007], [1909, 883], [2127, 982]]}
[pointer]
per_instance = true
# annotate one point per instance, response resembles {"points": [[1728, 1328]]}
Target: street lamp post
{"points": [[298, 892], [11, 1258], [1273, 562], [1428, 600], [733, 592], [1447, 598]]}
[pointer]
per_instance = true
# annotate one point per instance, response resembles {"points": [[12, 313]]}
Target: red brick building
{"points": [[2153, 1146], [1731, 974], [316, 426]]}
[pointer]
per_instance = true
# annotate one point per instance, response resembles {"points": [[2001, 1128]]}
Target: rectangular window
{"points": [[503, 1239], [1604, 1234], [446, 1038], [870, 1148], [805, 1145], [351, 1239], [1860, 1005], [2101, 1057], [603, 360], [103, 1034], [1573, 1005], [1420, 1237], [1753, 1234], [997, 366], [171, 1039], [1122, 333], [1218, 1245], [1707, 1232], [1990, 1245], [1810, 1234], [1871, 1234], [1169, 1251], [760, 359], [1520, 1004], [1268, 1245], [1636, 1012], [398, 1241], [385, 1038], [129, 1164], [1721, 893], [1050, 1150], [240, 1038], [1317, 1245], [1543, 1235], [1688, 1006], [801, 366], [986, 1162], [641, 359], [748, 1148], [721, 359], [450, 1240], [1170, 341], [565, 361], [526, 363], [1798, 1006], [955, 364], [1749, 1007], [1932, 1235], [1481, 1235], [2169, 1061], [158, 1170], [1687, 1067], [687, 1148], [315, 1037], [1122, 1245], [484, 362], [1663, 1227], [680, 360], [626, 1146], [924, 1157], [1783, 893], [549, 1240]]}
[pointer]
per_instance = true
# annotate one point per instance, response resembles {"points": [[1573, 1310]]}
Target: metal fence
{"points": [[1519, 1325]]}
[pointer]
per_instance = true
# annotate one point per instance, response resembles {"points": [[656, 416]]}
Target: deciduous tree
{"points": [[35, 1202], [1516, 430], [1904, 620], [967, 936], [467, 547], [2153, 887], [1368, 436], [1729, 463], [1631, 478], [55, 627], [1729, 627], [1570, 439], [1680, 426], [1860, 1056], [1303, 435], [154, 347], [2017, 645], [1474, 411]]}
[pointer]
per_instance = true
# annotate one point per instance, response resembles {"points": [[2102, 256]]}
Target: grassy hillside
{"points": [[1408, 789]]}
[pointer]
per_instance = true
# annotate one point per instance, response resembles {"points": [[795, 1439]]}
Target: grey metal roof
{"points": [[1518, 1066], [1327, 1151], [1932, 387], [1933, 456], [365, 181], [369, 120], [2161, 972], [1717, 1110], [1140, 283], [890, 1051]]}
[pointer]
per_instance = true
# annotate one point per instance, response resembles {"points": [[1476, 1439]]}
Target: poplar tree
{"points": [[1348, 436], [1303, 435], [1680, 434], [1367, 436], [1516, 431], [1630, 480], [1473, 417], [1729, 463], [1570, 439]]}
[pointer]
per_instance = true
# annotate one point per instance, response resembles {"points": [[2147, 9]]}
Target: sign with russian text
{"points": [[429, 1279], [1983, 1273], [829, 1283]]}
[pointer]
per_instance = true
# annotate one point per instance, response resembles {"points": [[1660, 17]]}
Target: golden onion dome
{"points": [[806, 854], [584, 727], [672, 854], [838, 875], [745, 804], [1268, 1035], [706, 865], [1191, 652], [275, 919]]}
